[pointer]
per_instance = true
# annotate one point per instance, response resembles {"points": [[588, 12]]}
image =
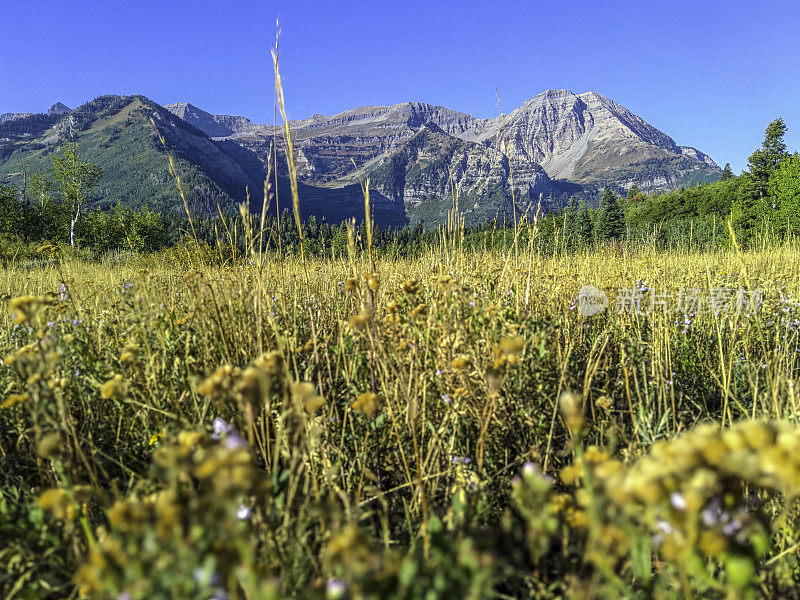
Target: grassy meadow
{"points": [[190, 425], [233, 422]]}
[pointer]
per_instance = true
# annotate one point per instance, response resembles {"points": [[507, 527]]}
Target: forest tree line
{"points": [[762, 205]]}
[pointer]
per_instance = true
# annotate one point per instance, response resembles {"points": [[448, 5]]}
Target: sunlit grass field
{"points": [[229, 422], [189, 425]]}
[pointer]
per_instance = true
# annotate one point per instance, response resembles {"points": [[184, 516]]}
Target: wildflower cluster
{"points": [[250, 386], [699, 493], [192, 524], [21, 309]]}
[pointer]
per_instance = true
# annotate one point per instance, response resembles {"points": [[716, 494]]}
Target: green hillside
{"points": [[121, 135]]}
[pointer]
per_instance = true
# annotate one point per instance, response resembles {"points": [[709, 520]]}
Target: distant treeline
{"points": [[762, 205]]}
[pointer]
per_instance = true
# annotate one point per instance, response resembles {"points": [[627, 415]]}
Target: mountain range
{"points": [[57, 109], [556, 145]]}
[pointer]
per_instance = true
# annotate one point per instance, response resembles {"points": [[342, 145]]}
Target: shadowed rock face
{"points": [[199, 118], [585, 139], [436, 169]]}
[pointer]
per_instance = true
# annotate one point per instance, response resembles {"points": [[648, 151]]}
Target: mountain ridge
{"points": [[123, 135], [416, 155], [55, 110], [586, 139]]}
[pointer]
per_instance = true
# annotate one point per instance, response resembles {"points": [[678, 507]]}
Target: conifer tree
{"points": [[766, 160], [584, 228], [727, 172], [610, 218], [753, 206]]}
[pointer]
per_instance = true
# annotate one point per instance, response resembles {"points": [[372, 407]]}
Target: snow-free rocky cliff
{"points": [[584, 139]]}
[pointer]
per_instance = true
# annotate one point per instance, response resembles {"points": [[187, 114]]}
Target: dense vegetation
{"points": [[126, 137], [447, 426], [247, 408]]}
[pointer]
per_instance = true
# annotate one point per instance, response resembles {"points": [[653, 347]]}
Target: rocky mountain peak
{"points": [[215, 126], [585, 139], [58, 109], [184, 110], [201, 119]]}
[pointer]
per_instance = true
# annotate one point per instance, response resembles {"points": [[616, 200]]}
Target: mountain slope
{"points": [[590, 139], [121, 135], [582, 141], [423, 173], [555, 145], [13, 116]]}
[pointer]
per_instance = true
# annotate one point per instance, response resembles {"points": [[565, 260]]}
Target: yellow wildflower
{"points": [[367, 403], [113, 388], [57, 502]]}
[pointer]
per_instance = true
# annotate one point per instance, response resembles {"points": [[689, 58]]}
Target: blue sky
{"points": [[711, 74]]}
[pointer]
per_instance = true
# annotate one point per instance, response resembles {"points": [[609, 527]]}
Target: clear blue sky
{"points": [[709, 73]]}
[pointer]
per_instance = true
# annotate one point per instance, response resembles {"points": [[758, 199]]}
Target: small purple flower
{"points": [[220, 428], [233, 441], [128, 286], [243, 513], [76, 322], [446, 398], [335, 589], [464, 460], [732, 528], [124, 595], [711, 513]]}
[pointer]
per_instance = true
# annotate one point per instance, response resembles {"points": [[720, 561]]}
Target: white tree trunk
{"points": [[72, 227]]}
